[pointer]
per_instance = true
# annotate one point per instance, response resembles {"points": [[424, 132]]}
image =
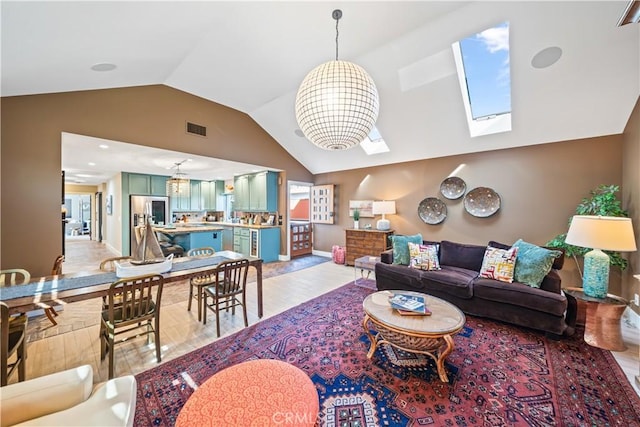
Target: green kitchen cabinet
{"points": [[256, 192], [158, 185], [263, 192], [196, 196], [241, 193], [241, 240], [139, 184], [210, 191], [145, 185]]}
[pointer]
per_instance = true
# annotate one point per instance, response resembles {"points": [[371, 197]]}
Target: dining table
{"points": [[42, 292]]}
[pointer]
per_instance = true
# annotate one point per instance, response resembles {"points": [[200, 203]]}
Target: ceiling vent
{"points": [[195, 129]]}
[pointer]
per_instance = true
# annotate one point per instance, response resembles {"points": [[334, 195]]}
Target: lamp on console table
{"points": [[599, 233], [383, 208]]}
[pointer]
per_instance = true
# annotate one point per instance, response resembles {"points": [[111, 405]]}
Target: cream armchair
{"points": [[68, 398]]}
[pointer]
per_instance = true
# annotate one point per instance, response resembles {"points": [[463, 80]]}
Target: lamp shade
{"points": [[385, 207], [337, 105], [602, 232]]}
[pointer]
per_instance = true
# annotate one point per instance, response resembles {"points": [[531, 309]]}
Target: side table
{"points": [[602, 319], [363, 263]]}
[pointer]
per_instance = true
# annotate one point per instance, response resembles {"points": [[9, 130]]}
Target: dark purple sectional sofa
{"points": [[458, 282]]}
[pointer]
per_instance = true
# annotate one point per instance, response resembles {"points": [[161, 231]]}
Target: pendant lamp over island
{"points": [[337, 103], [179, 185]]}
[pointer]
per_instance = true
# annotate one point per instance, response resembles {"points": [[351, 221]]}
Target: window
{"points": [[484, 73], [374, 143]]}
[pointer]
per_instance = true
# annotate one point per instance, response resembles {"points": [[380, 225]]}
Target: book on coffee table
{"points": [[409, 305]]}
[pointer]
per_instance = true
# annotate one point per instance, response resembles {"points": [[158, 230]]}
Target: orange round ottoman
{"points": [[260, 392]]}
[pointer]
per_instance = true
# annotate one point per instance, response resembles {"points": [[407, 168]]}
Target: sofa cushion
{"points": [[400, 246], [499, 264], [454, 281], [520, 295], [423, 257], [460, 255], [558, 263], [533, 263]]}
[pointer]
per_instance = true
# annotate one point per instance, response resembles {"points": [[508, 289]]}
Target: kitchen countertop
{"points": [[198, 227]]}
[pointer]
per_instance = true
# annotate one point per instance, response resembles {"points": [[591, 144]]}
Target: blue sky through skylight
{"points": [[486, 66]]}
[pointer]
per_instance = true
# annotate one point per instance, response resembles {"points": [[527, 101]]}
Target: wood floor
{"points": [[75, 340]]}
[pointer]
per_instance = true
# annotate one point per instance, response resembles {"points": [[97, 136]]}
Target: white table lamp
{"points": [[600, 233], [383, 208]]}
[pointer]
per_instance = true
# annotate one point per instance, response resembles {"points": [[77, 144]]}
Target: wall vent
{"points": [[196, 129]]}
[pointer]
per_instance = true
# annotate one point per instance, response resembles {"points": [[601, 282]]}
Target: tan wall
{"points": [[631, 200], [154, 116], [540, 187]]}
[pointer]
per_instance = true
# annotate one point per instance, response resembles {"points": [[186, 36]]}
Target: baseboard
{"points": [[284, 258], [321, 253]]}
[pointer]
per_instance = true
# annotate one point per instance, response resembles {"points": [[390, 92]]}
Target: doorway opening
{"points": [[78, 216], [300, 228]]}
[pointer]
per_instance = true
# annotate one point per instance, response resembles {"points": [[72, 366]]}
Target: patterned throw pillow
{"points": [[423, 257], [400, 246], [533, 263], [499, 264]]}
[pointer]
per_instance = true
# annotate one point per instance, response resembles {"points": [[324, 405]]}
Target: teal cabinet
{"points": [[139, 184], [200, 239], [196, 196], [145, 185], [269, 244], [256, 192], [241, 193], [158, 185], [241, 242], [210, 190]]}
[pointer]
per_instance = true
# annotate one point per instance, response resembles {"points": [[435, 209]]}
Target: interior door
{"points": [[98, 217]]}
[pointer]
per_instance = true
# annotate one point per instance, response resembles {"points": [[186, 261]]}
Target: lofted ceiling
{"points": [[252, 56]]}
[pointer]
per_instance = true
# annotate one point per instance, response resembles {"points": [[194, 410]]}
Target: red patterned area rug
{"points": [[500, 375]]}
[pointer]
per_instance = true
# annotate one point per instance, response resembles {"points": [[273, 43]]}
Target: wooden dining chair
{"points": [[12, 277], [139, 307], [228, 290], [12, 342], [196, 284], [50, 311], [109, 264]]}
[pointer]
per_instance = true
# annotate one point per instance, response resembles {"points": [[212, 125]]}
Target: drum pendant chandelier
{"points": [[337, 103]]}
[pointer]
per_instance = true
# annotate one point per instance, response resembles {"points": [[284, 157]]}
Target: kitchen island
{"points": [[254, 240]]}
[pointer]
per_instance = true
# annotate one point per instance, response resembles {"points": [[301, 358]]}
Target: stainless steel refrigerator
{"points": [[146, 208]]}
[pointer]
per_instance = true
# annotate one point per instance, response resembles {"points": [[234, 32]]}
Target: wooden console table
{"points": [[602, 319], [366, 242]]}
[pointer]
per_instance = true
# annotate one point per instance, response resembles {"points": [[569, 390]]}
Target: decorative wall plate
{"points": [[453, 187], [432, 210], [482, 202]]}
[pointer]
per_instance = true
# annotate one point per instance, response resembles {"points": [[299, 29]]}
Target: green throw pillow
{"points": [[533, 263], [401, 247]]}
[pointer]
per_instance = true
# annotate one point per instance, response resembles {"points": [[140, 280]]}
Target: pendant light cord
{"points": [[337, 14]]}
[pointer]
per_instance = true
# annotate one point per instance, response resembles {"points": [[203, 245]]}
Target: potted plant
{"points": [[603, 202], [356, 218]]}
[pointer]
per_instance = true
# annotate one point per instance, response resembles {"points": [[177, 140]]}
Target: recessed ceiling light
{"points": [[83, 175], [103, 146], [546, 57], [105, 66], [91, 164]]}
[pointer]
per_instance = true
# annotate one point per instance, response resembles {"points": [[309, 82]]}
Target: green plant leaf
{"points": [[603, 202]]}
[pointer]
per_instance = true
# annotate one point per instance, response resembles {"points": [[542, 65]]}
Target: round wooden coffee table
{"points": [[430, 335]]}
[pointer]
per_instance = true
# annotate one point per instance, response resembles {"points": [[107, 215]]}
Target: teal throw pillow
{"points": [[533, 263], [400, 246]]}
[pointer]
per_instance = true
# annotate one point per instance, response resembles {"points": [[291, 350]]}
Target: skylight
{"points": [[374, 143], [484, 73]]}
